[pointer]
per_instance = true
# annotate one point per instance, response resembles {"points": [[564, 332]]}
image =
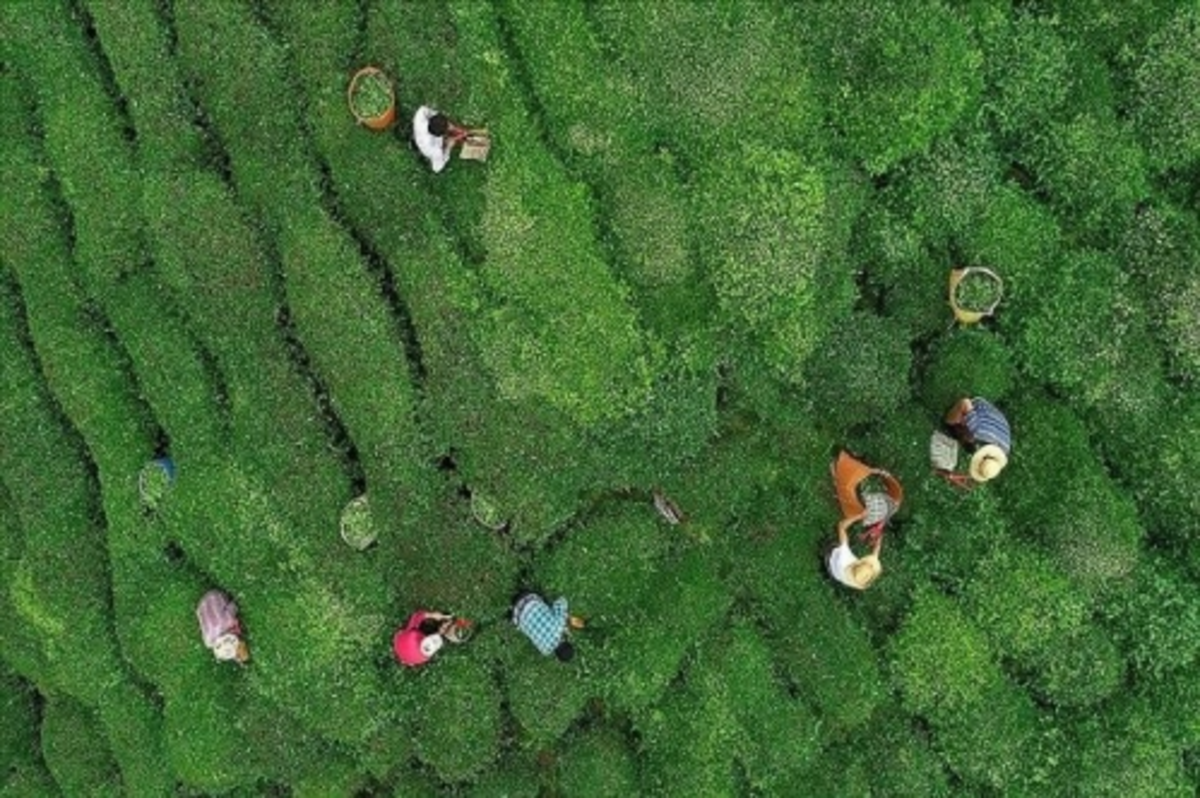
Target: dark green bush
{"points": [[970, 362], [639, 667], [858, 372], [76, 751], [1126, 752], [598, 763], [458, 728], [1168, 82], [990, 743], [1079, 670], [1157, 622]]}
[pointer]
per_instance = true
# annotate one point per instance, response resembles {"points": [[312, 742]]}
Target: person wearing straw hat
{"points": [[422, 637], [843, 564], [979, 425], [220, 628]]}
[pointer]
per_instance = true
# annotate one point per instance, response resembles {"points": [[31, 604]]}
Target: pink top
{"points": [[217, 614], [407, 642]]}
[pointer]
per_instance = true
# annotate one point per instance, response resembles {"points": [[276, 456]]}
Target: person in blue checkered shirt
{"points": [[545, 624]]}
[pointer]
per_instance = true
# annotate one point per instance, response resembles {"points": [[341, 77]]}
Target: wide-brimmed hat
{"points": [[865, 571], [431, 644], [987, 462], [225, 647]]}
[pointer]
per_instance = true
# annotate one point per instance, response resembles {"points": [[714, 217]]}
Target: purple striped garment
{"points": [[217, 614], [988, 425]]}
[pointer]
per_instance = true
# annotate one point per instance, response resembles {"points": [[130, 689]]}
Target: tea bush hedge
{"points": [[709, 249]]}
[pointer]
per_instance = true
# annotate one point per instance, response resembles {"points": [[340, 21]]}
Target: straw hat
{"points": [[225, 647], [865, 571], [987, 462]]}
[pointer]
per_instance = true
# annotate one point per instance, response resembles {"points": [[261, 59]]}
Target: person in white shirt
{"points": [[435, 136], [849, 569]]}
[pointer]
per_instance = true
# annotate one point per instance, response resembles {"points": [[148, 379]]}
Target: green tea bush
{"points": [[948, 189], [17, 731], [859, 371], [1078, 670], [1168, 83], [943, 664], [968, 362], [828, 659], [1159, 250], [457, 732], [1127, 752], [1027, 62], [83, 135], [1095, 174], [1157, 623], [688, 743], [1065, 343], [75, 749], [1022, 602], [912, 767], [598, 762], [773, 221], [544, 696], [989, 743], [710, 74], [606, 563], [893, 76], [639, 667], [779, 734]]}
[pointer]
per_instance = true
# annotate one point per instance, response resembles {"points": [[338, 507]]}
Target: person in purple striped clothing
{"points": [[220, 627], [979, 425]]}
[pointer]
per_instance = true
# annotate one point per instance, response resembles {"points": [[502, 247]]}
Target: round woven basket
{"points": [[378, 121], [356, 526]]}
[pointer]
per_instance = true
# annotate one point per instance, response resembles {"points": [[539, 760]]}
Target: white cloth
{"points": [[431, 146], [840, 560]]}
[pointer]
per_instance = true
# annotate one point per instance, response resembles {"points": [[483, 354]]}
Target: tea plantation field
{"points": [[710, 248]]}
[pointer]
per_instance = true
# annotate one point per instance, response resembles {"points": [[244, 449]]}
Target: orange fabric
{"points": [[848, 472]]}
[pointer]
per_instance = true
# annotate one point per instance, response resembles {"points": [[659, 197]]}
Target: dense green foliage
{"points": [[710, 247]]}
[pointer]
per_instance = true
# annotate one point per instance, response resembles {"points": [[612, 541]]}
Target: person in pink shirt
{"points": [[422, 637], [220, 628]]}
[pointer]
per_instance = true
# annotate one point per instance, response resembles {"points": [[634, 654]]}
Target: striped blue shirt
{"points": [[541, 623], [988, 425]]}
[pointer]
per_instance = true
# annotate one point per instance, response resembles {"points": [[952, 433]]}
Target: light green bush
{"points": [[943, 663], [1028, 72], [1022, 602], [893, 76], [1168, 83]]}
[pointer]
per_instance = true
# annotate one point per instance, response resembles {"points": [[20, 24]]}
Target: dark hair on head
{"points": [[565, 652], [429, 626], [439, 125]]}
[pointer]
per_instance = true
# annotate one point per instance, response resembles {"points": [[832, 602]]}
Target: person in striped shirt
{"points": [[978, 424], [220, 628], [545, 624]]}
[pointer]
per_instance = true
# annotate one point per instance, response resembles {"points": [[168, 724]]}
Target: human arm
{"points": [[958, 413], [843, 529]]}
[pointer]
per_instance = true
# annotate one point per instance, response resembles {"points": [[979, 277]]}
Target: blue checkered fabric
{"points": [[541, 623], [988, 425]]}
